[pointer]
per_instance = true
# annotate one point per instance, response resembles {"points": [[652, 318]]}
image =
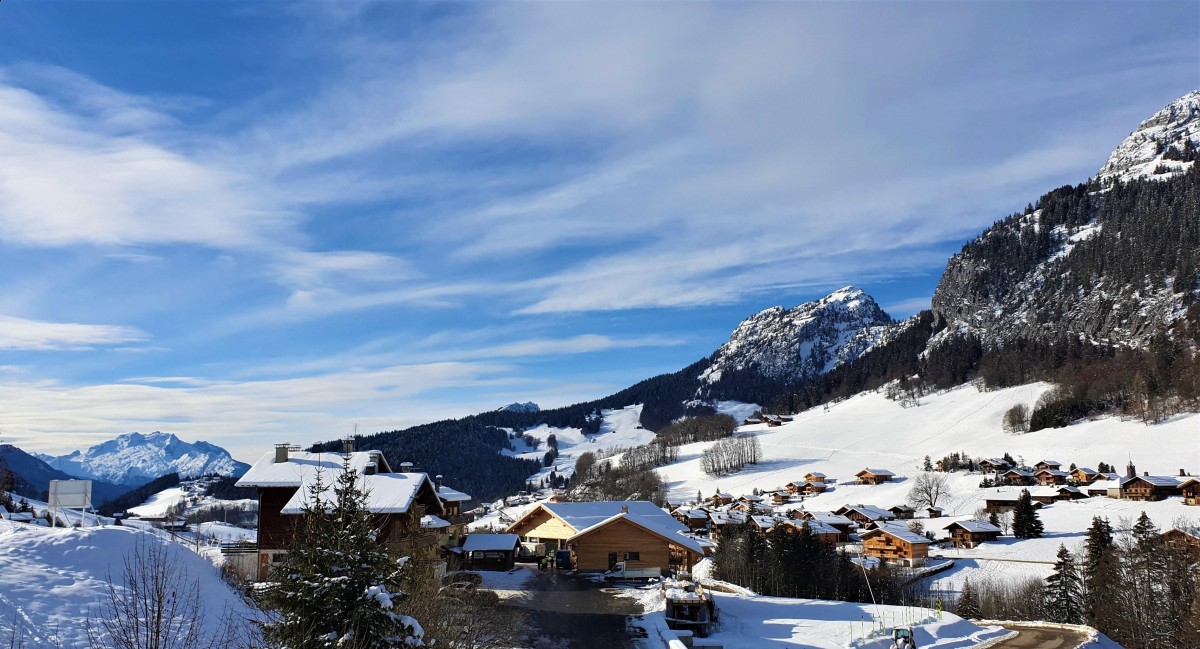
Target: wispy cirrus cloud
{"points": [[38, 335]]}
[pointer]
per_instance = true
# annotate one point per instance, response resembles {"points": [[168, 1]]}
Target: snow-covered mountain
{"points": [[136, 458], [1112, 264], [528, 406], [1146, 152], [802, 342]]}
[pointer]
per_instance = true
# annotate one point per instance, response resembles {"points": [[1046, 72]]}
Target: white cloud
{"points": [[23, 334]]}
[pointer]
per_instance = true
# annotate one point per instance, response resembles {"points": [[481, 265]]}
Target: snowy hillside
{"points": [[55, 578], [869, 430], [805, 341], [134, 459], [619, 430], [1142, 154]]}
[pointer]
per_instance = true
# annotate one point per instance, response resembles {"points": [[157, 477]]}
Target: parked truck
{"points": [[620, 572]]}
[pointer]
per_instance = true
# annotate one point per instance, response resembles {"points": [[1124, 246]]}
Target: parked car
{"points": [[621, 573], [562, 559]]}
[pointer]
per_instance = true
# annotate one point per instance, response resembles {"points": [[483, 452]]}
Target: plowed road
{"points": [[1032, 637]]}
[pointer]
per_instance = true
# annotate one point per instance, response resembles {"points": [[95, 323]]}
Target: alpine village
{"points": [[1016, 464]]}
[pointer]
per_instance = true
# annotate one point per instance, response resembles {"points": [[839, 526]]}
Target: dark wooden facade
{"points": [[962, 537]]}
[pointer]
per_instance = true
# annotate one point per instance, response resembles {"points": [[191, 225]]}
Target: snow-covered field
{"points": [[750, 621], [53, 579], [619, 430]]}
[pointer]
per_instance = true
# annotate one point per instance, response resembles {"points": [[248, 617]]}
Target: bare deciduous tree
{"points": [[154, 605], [928, 490]]}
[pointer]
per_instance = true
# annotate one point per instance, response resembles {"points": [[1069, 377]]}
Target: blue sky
{"points": [[261, 222]]}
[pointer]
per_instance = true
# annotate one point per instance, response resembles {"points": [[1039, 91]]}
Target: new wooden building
{"points": [[601, 534], [815, 476], [968, 534], [1148, 487], [895, 543], [285, 480], [1084, 475], [874, 476], [1190, 489]]}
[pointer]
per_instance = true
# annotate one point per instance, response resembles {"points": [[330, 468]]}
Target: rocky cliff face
{"points": [[803, 342], [1102, 262]]}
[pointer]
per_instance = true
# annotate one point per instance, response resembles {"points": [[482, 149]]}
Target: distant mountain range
{"points": [[134, 459], [32, 476], [528, 406]]}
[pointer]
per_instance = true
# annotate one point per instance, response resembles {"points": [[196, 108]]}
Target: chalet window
{"points": [[633, 556]]}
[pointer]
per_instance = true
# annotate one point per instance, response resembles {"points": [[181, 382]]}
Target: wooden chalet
{"points": [[452, 504], [934, 512], [865, 514], [780, 497], [874, 476], [718, 521], [993, 465], [1110, 487], [285, 480], [815, 477], [1018, 477], [1190, 489], [895, 543], [491, 551], [1047, 464], [823, 532], [1148, 487], [1084, 475], [968, 534], [842, 524], [694, 518], [1005, 502], [903, 512], [720, 498], [1051, 477], [600, 534], [1185, 539]]}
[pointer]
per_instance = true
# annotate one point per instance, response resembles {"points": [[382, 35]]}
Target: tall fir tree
{"points": [[1101, 574], [1026, 523], [968, 602], [338, 586], [1064, 591]]}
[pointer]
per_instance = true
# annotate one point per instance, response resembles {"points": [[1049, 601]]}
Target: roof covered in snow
{"points": [[490, 542], [434, 522], [652, 524], [452, 495], [387, 493], [300, 466], [582, 515], [898, 531], [874, 472], [975, 527]]}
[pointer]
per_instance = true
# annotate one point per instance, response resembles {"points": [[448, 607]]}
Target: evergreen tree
{"points": [[1064, 591], [1101, 574], [928, 465], [1026, 523], [968, 602], [338, 586]]}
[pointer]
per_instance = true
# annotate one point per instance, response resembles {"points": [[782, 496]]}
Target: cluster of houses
{"points": [[1080, 482]]}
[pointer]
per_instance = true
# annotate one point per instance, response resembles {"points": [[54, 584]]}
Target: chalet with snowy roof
{"points": [[968, 534], [693, 518], [842, 524], [825, 533], [895, 543], [286, 479], [601, 534], [764, 523], [865, 514], [750, 498], [1084, 475], [993, 465], [1190, 489], [718, 521], [1005, 502], [1047, 464], [1050, 477], [1187, 539], [780, 497], [903, 512], [720, 498], [874, 476], [1018, 477], [1105, 487], [934, 512], [491, 551], [815, 476], [1148, 487]]}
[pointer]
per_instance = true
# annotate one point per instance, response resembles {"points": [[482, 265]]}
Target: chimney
{"points": [[281, 453], [624, 509], [370, 468], [1146, 473], [437, 481], [1182, 473], [406, 467], [347, 445]]}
